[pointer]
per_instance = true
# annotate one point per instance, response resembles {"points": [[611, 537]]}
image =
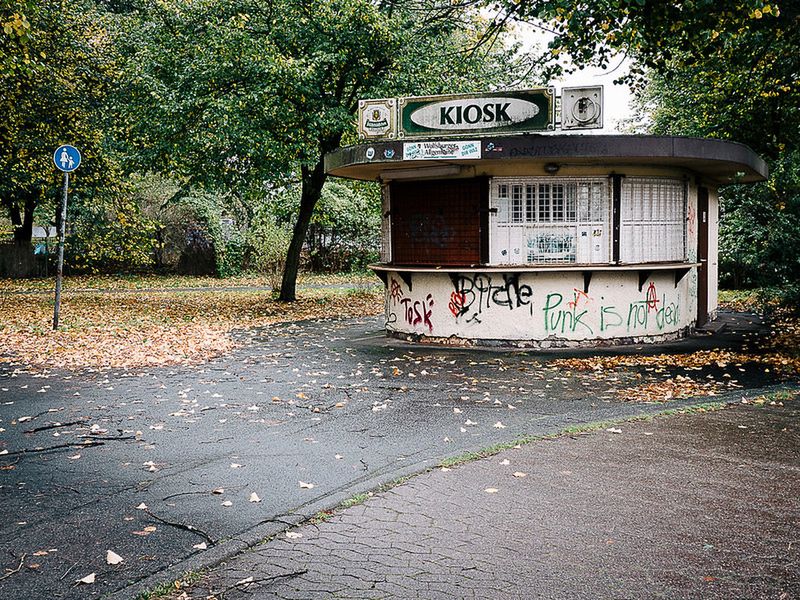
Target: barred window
{"points": [[653, 220], [563, 220]]}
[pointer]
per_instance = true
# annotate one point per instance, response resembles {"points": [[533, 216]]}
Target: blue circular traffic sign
{"points": [[67, 158]]}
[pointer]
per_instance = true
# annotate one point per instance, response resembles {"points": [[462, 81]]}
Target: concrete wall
{"points": [[549, 308]]}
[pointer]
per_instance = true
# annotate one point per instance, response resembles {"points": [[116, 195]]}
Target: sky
{"points": [[616, 98]]}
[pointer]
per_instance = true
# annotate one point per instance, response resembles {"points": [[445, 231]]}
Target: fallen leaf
{"points": [[613, 430], [218, 491], [74, 457], [142, 506], [305, 485], [254, 497], [200, 546], [520, 474], [499, 425], [227, 503], [244, 581], [293, 535], [491, 490], [236, 466], [113, 558], [86, 580], [505, 462]]}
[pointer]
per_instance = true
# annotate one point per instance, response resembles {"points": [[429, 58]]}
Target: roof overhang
{"points": [[716, 161]]}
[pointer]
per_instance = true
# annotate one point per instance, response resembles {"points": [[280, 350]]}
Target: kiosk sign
{"points": [[470, 114]]}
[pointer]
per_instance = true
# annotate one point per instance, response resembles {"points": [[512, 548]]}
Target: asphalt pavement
{"points": [[687, 506], [178, 469]]}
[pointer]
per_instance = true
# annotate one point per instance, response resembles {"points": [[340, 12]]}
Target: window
{"points": [[562, 220], [653, 220]]}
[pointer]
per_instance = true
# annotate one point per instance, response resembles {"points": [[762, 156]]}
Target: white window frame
{"points": [[653, 220], [550, 220]]}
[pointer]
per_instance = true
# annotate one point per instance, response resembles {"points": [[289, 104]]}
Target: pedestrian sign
{"points": [[67, 158]]}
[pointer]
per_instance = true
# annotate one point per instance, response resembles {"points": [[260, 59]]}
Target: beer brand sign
{"points": [[471, 114], [519, 111], [377, 119]]}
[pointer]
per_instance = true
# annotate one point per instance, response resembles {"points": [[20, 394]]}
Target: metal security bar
{"points": [[550, 220], [653, 220]]}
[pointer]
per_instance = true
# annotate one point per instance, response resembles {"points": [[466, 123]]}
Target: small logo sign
{"points": [[370, 153], [376, 118], [388, 153], [67, 158]]}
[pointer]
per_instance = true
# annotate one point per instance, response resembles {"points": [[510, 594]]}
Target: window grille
{"points": [[653, 220], [561, 220]]}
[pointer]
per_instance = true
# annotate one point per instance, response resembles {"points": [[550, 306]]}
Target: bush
{"points": [[760, 229], [344, 234], [267, 244]]}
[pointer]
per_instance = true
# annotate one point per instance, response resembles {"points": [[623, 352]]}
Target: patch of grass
{"points": [[354, 500], [774, 398], [168, 588]]}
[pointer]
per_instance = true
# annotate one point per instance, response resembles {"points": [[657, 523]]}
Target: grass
{"points": [[169, 587], [167, 282], [146, 329]]}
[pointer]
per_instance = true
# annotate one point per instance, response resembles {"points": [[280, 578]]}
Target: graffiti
{"points": [[609, 317], [579, 297], [474, 293], [396, 291], [691, 220], [552, 246], [419, 311], [434, 229], [491, 303], [652, 297], [558, 320], [457, 300], [640, 313]]}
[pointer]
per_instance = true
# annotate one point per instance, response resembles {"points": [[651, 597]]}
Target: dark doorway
{"points": [[436, 222], [702, 256]]}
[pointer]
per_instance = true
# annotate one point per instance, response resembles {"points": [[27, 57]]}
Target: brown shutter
{"points": [[436, 222]]}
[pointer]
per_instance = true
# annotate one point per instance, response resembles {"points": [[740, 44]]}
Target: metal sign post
{"points": [[66, 158]]}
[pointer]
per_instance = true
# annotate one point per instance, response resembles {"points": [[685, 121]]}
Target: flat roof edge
{"points": [[721, 161]]}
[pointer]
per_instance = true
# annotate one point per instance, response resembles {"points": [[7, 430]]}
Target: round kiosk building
{"points": [[544, 240]]}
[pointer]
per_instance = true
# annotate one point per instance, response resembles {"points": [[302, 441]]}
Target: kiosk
{"points": [[492, 234]]}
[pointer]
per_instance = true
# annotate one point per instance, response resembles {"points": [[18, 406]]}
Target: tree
{"points": [[57, 66], [657, 35], [238, 93]]}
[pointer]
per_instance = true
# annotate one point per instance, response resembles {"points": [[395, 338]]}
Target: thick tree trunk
{"points": [[311, 191], [22, 218]]}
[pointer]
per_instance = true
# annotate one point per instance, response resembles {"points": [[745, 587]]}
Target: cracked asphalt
{"points": [[160, 465], [690, 506]]}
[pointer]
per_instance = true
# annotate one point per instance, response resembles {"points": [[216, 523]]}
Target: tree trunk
{"points": [[311, 191], [23, 224]]}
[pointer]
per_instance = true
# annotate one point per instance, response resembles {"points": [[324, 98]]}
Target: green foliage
{"points": [[760, 229], [268, 242], [655, 33], [57, 65], [108, 235], [344, 233], [230, 94]]}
